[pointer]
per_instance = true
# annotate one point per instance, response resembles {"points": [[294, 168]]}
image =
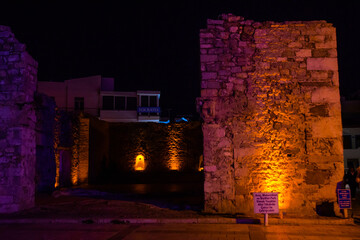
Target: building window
{"points": [[352, 162], [79, 103], [144, 101], [357, 141], [108, 103], [131, 103], [347, 141], [153, 101], [120, 103]]}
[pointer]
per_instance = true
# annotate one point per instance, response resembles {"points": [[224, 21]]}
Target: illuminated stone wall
{"points": [[83, 147], [18, 76], [71, 147], [119, 150], [165, 147], [271, 109]]}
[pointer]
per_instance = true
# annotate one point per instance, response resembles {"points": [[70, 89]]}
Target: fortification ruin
{"points": [[18, 76], [271, 109]]}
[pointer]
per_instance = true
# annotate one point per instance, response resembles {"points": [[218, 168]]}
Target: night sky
{"points": [[154, 45]]}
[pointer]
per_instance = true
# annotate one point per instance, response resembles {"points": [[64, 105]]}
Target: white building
{"points": [[350, 110], [95, 95]]}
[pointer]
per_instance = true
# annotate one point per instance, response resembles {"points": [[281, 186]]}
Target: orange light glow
{"points": [[140, 163], [174, 164], [273, 174], [277, 170], [57, 163], [201, 163], [174, 141]]}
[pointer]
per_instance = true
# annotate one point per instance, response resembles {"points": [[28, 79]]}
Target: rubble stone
{"points": [[273, 122], [17, 116]]}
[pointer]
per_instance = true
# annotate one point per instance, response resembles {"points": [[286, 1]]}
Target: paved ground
{"points": [[142, 204], [173, 231]]}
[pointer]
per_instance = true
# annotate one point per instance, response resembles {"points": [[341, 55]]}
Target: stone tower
{"points": [[271, 109], [18, 76]]}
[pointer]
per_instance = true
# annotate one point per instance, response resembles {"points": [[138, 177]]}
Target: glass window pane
{"points": [[347, 141], [120, 103], [79, 103], [357, 141], [131, 103], [144, 101], [108, 102], [153, 101]]}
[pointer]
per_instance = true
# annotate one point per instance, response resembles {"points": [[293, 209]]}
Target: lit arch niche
{"points": [[140, 163]]}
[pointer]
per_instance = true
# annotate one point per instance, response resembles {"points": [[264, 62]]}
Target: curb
{"points": [[294, 221]]}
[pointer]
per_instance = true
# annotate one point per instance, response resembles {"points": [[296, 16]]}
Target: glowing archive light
{"points": [[140, 163]]}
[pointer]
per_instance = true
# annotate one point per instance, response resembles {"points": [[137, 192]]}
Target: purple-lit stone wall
{"points": [[271, 109], [18, 76]]}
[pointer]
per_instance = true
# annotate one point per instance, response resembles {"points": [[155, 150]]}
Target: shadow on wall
{"points": [[121, 152]]}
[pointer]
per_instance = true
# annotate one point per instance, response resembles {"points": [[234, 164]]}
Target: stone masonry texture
{"points": [[271, 109], [18, 76], [71, 148], [166, 148]]}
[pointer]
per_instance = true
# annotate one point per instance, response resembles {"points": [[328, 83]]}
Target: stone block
{"points": [[208, 58], [244, 152], [206, 35], [295, 45], [322, 64], [325, 94], [320, 110], [213, 85], [329, 127], [303, 53], [288, 53], [317, 38], [208, 75], [317, 177], [332, 53], [320, 53], [233, 29], [241, 172], [330, 44], [213, 67], [331, 31], [209, 92], [319, 74], [225, 72], [215, 51], [14, 58], [210, 168], [202, 46]]}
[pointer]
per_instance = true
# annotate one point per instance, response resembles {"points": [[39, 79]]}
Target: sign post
{"points": [[344, 200], [266, 203]]}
